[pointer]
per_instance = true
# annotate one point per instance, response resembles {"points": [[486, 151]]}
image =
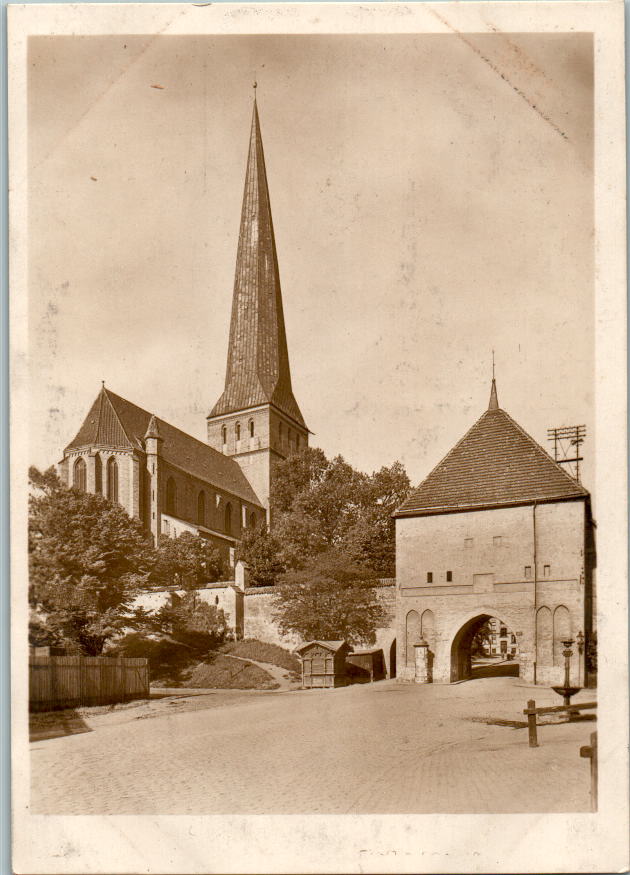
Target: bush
{"points": [[261, 651]]}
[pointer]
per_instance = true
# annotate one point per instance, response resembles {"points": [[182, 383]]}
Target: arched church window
{"points": [[98, 474], [238, 431], [251, 428], [228, 518], [171, 496], [79, 476], [201, 508], [252, 520], [112, 479], [224, 434], [297, 442], [280, 432]]}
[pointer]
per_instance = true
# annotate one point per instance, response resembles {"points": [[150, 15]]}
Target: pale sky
{"points": [[432, 199]]}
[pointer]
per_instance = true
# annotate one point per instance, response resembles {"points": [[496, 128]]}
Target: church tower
{"points": [[257, 420]]}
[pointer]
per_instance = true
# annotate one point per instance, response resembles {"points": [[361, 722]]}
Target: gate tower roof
{"points": [[495, 464]]}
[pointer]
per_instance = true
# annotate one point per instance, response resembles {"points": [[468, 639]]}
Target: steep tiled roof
{"points": [[258, 359], [115, 422], [495, 463]]}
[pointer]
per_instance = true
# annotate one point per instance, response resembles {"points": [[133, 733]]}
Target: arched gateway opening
{"points": [[484, 647]]}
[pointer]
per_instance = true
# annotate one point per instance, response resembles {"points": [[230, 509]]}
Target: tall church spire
{"points": [[258, 360]]}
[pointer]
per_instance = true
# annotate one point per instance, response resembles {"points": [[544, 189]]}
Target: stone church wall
{"points": [[250, 614]]}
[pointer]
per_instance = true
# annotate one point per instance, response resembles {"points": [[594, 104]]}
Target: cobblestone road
{"points": [[382, 748]]}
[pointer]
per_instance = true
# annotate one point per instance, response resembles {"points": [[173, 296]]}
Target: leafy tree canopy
{"points": [[186, 561], [87, 560], [319, 503], [260, 549], [333, 598]]}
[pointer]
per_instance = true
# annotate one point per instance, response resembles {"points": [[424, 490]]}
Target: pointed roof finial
{"points": [[102, 384], [254, 86], [494, 401], [153, 430]]}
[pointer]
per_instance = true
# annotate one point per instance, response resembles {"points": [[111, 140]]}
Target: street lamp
{"points": [[567, 690]]}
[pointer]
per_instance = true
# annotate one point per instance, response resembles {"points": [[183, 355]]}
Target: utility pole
{"points": [[566, 446]]}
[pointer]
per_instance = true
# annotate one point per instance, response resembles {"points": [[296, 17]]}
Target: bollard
{"points": [[531, 723]]}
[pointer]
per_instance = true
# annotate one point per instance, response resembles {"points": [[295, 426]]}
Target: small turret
{"points": [[152, 440]]}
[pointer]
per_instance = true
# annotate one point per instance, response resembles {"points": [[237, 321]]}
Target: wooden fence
{"points": [[69, 681]]}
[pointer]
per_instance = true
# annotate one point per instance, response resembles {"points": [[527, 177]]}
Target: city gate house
{"points": [[498, 529], [323, 663]]}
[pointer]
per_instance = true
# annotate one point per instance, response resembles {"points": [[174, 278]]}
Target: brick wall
{"points": [[490, 557], [259, 621], [223, 595]]}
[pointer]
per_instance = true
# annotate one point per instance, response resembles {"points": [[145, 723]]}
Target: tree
{"points": [[372, 539], [318, 504], [261, 551], [87, 561], [186, 561], [334, 598], [192, 621]]}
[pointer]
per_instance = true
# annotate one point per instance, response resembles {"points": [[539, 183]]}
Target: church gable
{"points": [[114, 422], [101, 427], [496, 463]]}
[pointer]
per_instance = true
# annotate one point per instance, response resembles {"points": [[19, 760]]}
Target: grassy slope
{"points": [[250, 648], [174, 664], [221, 672]]}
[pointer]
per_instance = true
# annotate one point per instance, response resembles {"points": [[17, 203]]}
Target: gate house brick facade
{"points": [[497, 529]]}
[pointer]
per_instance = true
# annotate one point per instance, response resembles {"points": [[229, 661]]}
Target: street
{"points": [[384, 748]]}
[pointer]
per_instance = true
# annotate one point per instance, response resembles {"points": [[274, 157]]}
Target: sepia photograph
{"points": [[314, 369]]}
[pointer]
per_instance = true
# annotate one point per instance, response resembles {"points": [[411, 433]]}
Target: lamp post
{"points": [[566, 691], [580, 641]]}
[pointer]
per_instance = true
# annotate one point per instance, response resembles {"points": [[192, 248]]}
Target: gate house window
{"points": [[429, 577]]}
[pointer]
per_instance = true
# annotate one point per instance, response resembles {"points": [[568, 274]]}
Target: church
{"points": [[497, 530], [172, 481]]}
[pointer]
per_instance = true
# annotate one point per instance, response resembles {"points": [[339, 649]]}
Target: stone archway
{"points": [[461, 661]]}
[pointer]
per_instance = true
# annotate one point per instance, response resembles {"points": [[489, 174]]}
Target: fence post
{"points": [[81, 672], [591, 753], [531, 724], [123, 671], [53, 680]]}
